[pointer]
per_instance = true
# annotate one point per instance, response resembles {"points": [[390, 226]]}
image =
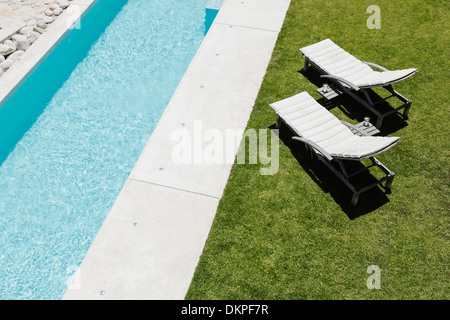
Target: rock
{"points": [[41, 24], [48, 12], [4, 50], [16, 56], [63, 3], [1, 72], [32, 36], [48, 19], [10, 43], [26, 30], [2, 58], [40, 30], [7, 48], [21, 42], [57, 11], [31, 23], [5, 65]]}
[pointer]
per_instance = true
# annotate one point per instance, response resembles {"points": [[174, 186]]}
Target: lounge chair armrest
{"points": [[315, 146], [375, 66], [352, 126], [351, 85]]}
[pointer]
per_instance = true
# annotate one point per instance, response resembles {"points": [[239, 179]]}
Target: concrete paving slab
{"points": [[254, 13], [219, 90], [151, 245]]}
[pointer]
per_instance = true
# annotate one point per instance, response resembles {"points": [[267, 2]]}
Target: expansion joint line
{"points": [[174, 188], [247, 27]]}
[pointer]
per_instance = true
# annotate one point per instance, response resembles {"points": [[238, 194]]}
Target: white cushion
{"points": [[312, 121], [335, 61]]}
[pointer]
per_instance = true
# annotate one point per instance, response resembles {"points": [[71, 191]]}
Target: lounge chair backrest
{"points": [[334, 60], [309, 119]]}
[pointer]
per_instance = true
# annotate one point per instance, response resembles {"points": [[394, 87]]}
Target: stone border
{"points": [[21, 63], [150, 242], [21, 37]]}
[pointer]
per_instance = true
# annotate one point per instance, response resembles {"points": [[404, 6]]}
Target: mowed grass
{"points": [[294, 235]]}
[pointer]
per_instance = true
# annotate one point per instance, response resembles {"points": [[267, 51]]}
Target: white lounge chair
{"points": [[352, 75], [332, 140]]}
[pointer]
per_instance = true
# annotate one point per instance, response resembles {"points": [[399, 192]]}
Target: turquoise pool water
{"points": [[71, 134]]}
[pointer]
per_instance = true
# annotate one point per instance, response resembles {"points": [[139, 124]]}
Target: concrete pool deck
{"points": [[151, 241]]}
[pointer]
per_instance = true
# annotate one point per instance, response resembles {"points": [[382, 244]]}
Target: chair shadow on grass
{"points": [[355, 110], [329, 183]]}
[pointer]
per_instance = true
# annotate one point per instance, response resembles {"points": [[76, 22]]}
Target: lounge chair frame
{"points": [[338, 165], [367, 102]]}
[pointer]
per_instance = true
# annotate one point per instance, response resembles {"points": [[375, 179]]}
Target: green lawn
{"points": [[294, 235]]}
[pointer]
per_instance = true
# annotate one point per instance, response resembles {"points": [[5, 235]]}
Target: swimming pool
{"points": [[73, 131]]}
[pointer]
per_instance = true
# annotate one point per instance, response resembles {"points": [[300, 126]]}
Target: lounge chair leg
{"points": [[369, 103], [388, 184], [406, 111], [401, 98], [355, 198], [306, 65], [379, 122], [278, 123]]}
